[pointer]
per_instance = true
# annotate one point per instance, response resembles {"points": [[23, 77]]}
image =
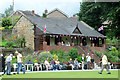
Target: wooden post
{"points": [[104, 44]]}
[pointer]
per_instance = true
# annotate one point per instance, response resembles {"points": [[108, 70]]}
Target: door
{"points": [[38, 40]]}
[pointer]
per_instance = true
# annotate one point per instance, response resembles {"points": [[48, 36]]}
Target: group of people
{"points": [[54, 64], [90, 62], [87, 61], [74, 64], [6, 63]]}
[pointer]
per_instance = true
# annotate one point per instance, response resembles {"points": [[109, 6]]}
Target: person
{"points": [[47, 64], [8, 64], [3, 63], [83, 61], [104, 64], [68, 44], [71, 63], [76, 64], [92, 60], [29, 62], [57, 64], [88, 58], [19, 62], [62, 43], [53, 64]]}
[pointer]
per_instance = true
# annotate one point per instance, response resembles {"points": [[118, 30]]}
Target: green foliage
{"points": [[55, 57], [29, 57], [20, 42], [44, 15], [14, 60], [73, 53], [8, 11], [98, 53], [6, 22], [95, 14], [43, 56], [3, 43], [113, 55], [7, 44], [61, 55], [90, 13], [79, 58]]}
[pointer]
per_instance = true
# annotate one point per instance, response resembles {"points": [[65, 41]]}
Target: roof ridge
{"points": [[87, 25], [59, 11]]}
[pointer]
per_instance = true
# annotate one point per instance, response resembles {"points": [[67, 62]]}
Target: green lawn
{"points": [[72, 74]]}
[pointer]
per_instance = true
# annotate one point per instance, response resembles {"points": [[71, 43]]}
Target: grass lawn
{"points": [[71, 74]]}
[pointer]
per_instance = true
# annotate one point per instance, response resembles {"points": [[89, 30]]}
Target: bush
{"points": [[6, 22], [79, 58], [43, 55], [113, 55], [61, 55], [28, 57], [98, 53], [73, 53]]}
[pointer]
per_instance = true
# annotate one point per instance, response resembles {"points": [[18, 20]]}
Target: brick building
{"points": [[54, 31]]}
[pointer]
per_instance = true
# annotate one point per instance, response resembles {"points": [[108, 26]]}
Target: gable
{"points": [[57, 13], [77, 31]]}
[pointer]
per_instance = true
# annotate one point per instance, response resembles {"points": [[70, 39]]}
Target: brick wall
{"points": [[56, 47]]}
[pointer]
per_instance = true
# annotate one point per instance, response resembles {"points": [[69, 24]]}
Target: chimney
{"points": [[33, 12], [75, 17], [46, 11]]}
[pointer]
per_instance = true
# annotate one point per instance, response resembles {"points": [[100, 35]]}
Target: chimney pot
{"points": [[46, 11], [33, 12]]}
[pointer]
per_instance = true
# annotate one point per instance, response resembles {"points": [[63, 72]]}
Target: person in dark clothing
{"points": [[3, 63], [29, 62], [92, 61], [71, 63], [53, 64]]}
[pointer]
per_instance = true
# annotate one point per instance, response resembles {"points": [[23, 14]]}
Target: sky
{"points": [[70, 7]]}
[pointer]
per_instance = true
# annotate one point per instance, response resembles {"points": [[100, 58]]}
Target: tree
{"points": [[44, 15], [95, 14], [73, 53], [6, 22], [8, 11], [90, 13]]}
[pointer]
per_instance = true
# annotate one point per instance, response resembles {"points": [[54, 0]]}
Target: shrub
{"points": [[27, 58], [98, 53], [43, 55], [79, 58], [6, 22], [9, 44], [61, 55], [73, 53], [113, 55]]}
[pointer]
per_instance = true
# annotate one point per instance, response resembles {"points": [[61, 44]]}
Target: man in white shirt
{"points": [[19, 61], [8, 63], [88, 58], [104, 64], [47, 64]]}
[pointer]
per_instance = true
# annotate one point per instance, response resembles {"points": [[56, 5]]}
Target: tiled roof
{"points": [[64, 26]]}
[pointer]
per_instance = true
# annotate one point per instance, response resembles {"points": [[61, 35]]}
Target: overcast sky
{"points": [[70, 7]]}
